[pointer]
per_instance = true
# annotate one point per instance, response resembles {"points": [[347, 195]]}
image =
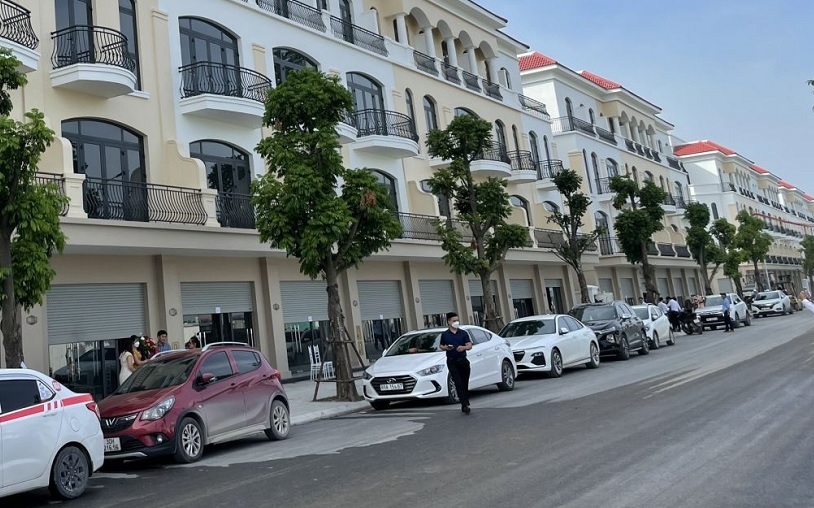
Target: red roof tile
{"points": [[786, 184], [701, 147], [599, 80], [759, 170], [535, 60]]}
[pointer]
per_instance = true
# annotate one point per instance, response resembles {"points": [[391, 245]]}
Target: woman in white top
{"points": [[130, 359], [805, 299]]}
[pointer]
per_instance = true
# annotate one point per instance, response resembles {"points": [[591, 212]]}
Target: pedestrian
{"points": [[163, 344], [805, 300], [130, 359], [726, 307], [663, 306], [456, 343], [193, 343]]}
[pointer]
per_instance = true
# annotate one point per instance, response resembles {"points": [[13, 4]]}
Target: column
{"points": [[473, 60], [401, 28], [491, 64], [430, 41], [612, 123], [451, 51], [272, 315]]}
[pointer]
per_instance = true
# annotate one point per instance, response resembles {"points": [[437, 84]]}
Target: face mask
{"points": [[455, 324]]}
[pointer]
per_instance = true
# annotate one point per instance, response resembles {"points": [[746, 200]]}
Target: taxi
{"points": [[49, 436]]}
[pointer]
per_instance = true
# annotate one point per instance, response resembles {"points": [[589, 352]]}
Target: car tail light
{"points": [[92, 406], [277, 375]]}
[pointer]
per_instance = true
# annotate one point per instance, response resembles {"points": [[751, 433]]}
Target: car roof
{"points": [[536, 317], [599, 304], [642, 306], [439, 329], [19, 372]]}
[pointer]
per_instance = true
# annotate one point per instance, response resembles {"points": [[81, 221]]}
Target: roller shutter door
{"points": [[304, 299], [207, 297], [380, 300], [475, 288], [89, 312], [663, 286], [521, 289], [553, 283], [693, 285], [606, 285], [437, 296], [725, 286], [628, 290]]}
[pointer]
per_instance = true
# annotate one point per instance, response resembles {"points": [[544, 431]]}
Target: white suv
{"points": [[712, 315], [49, 435]]}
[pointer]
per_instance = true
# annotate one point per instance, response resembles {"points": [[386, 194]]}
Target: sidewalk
{"points": [[303, 410]]}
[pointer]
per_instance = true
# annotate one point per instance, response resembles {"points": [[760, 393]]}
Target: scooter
{"points": [[689, 323]]}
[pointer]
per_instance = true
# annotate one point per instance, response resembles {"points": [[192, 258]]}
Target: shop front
{"points": [[478, 302], [305, 314], [437, 299], [522, 297], [217, 312], [382, 312]]}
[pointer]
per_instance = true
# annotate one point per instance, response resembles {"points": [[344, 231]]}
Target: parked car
{"points": [[551, 343], [616, 326], [771, 302], [712, 315], [182, 401], [414, 367], [49, 435], [656, 325], [749, 291]]}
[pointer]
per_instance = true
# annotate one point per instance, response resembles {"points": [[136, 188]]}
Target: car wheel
{"points": [[452, 397], [671, 339], [380, 405], [655, 343], [70, 473], [624, 353], [507, 377], [280, 422], [189, 441], [594, 363], [748, 321], [556, 363], [645, 349]]}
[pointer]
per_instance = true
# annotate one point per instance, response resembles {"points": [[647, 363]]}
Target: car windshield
{"points": [[772, 295], [525, 328], [594, 313], [642, 312], [424, 342], [159, 374], [713, 300]]}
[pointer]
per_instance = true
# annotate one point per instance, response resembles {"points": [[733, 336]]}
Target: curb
{"points": [[326, 415]]}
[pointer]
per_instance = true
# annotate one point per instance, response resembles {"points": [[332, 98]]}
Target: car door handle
{"points": [[479, 354], [49, 415]]}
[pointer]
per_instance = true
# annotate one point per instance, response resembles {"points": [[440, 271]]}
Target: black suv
{"points": [[616, 326]]}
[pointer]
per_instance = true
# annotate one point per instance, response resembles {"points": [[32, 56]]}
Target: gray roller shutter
{"points": [[693, 282], [304, 299], [380, 299], [475, 289], [627, 288], [678, 285], [207, 297], [521, 288], [437, 296], [88, 312], [725, 285], [553, 283], [606, 285], [662, 286]]}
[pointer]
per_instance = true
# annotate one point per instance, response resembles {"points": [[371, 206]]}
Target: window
{"points": [[367, 93], [612, 167], [661, 183], [204, 41], [127, 24], [103, 150], [430, 113], [322, 5], [390, 183], [661, 147], [595, 166], [346, 11], [287, 61], [74, 13], [569, 108], [601, 220], [648, 176], [545, 145], [505, 78], [679, 189], [247, 361], [465, 112], [715, 211], [591, 116], [227, 167], [535, 149], [218, 365], [16, 394], [443, 203], [519, 202], [478, 336], [500, 132], [515, 138], [572, 324], [408, 98], [550, 206]]}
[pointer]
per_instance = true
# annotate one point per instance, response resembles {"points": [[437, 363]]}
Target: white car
{"points": [[550, 343], [771, 302], [656, 325], [712, 316], [49, 436], [414, 367]]}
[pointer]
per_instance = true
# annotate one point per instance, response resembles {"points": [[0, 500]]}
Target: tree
{"points": [[640, 217], [701, 243], [29, 213], [754, 243], [299, 209], [482, 207], [725, 233], [808, 259], [575, 244]]}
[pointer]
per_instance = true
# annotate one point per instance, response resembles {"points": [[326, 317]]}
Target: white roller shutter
{"points": [[437, 296], [678, 285], [521, 289], [606, 285], [475, 288], [553, 283], [627, 288], [207, 297], [725, 285], [663, 286], [380, 299], [89, 312], [304, 299], [693, 285]]}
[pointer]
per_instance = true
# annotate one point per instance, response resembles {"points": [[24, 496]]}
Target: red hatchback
{"points": [[180, 401]]}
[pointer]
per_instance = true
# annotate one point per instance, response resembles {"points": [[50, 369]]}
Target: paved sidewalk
{"points": [[303, 410]]}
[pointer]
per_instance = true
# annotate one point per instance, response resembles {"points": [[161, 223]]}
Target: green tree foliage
{"points": [[29, 213], [640, 217], [753, 241], [808, 258], [731, 256], [701, 244], [483, 207], [298, 207], [575, 244]]}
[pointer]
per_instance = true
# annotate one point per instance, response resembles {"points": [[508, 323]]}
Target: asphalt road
{"points": [[718, 420]]}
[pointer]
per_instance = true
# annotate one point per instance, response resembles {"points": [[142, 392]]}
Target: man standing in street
{"points": [[674, 313], [163, 345], [456, 343], [726, 307]]}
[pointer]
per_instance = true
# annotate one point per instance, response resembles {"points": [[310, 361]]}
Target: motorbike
{"points": [[689, 323]]}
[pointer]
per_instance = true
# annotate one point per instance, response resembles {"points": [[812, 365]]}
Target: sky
{"points": [[732, 71]]}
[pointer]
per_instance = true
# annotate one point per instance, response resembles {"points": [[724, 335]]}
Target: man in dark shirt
{"points": [[456, 343]]}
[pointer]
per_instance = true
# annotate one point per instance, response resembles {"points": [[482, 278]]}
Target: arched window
{"points": [[390, 183], [648, 176], [520, 202], [289, 60], [465, 112], [569, 108], [595, 165], [591, 115], [661, 147], [500, 135], [550, 206], [430, 113], [204, 41], [443, 203], [587, 170], [345, 11], [515, 138], [367, 93], [601, 221], [661, 183], [535, 149], [679, 190], [505, 78], [612, 167], [73, 13], [128, 26], [227, 166], [408, 99], [547, 151]]}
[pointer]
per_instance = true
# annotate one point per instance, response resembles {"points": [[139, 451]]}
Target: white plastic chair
{"points": [[316, 361]]}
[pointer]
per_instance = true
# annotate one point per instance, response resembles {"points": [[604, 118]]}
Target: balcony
{"points": [[524, 167], [669, 201], [639, 148], [425, 63], [358, 36], [346, 128], [726, 187], [17, 35], [425, 227], [630, 146], [534, 107], [235, 210], [681, 204], [666, 249], [492, 90], [682, 251], [605, 135], [92, 60], [548, 169], [451, 73], [494, 162], [226, 93], [602, 186], [142, 202], [548, 238], [571, 124], [386, 133], [610, 246], [673, 163], [295, 11], [471, 81], [59, 182]]}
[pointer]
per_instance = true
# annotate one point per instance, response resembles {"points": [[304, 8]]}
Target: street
{"points": [[721, 419]]}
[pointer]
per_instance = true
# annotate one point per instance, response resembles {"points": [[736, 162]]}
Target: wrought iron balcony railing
{"points": [[570, 124], [419, 227], [669, 200], [630, 146], [380, 122], [496, 152], [91, 45], [522, 160], [682, 251], [548, 238], [605, 134], [358, 36], [666, 249], [235, 210], [295, 11], [680, 202], [15, 25], [532, 105], [451, 73], [425, 63], [548, 169], [609, 246], [59, 181], [472, 81], [142, 202], [603, 186], [221, 79], [492, 89], [348, 118], [673, 163]]}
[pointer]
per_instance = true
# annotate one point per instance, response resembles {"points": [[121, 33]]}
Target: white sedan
{"points": [[414, 367], [49, 436], [550, 343], [656, 325]]}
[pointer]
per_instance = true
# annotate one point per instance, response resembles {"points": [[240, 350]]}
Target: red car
{"points": [[180, 401]]}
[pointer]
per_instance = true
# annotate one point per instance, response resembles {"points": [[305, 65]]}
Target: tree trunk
{"points": [[758, 279], [583, 285], [707, 282], [11, 321], [649, 275], [492, 321], [738, 286], [345, 386]]}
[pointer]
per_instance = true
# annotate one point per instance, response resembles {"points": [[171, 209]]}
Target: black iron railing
{"points": [[142, 202], [15, 25], [680, 202], [492, 89], [380, 122], [605, 134], [629, 145], [682, 251], [656, 156], [91, 45], [358, 36], [548, 169], [472, 81], [603, 186], [221, 79], [666, 249], [639, 148], [451, 73], [530, 104], [425, 63], [673, 163], [727, 187], [648, 153], [609, 246], [425, 227], [496, 152], [348, 118], [548, 238], [669, 200], [295, 11], [522, 160], [59, 181], [652, 250], [569, 124], [235, 210]]}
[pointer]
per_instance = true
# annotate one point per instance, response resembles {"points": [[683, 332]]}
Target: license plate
{"points": [[391, 387], [113, 444]]}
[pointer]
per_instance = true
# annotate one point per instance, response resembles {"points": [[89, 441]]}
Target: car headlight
{"points": [[610, 337], [647, 326], [435, 369], [158, 411], [367, 375]]}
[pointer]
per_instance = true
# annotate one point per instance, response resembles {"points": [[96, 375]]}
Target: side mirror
{"points": [[564, 330], [627, 316], [206, 378]]}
